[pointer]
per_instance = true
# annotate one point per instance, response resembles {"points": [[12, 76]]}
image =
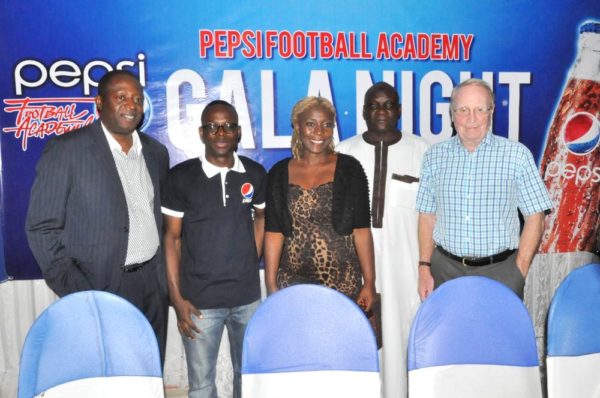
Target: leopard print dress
{"points": [[315, 253]]}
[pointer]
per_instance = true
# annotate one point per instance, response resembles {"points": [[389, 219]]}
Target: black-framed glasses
{"points": [[213, 128]]}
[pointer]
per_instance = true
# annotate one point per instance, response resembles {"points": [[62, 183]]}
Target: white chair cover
{"points": [[573, 361], [473, 338], [90, 344], [309, 341]]}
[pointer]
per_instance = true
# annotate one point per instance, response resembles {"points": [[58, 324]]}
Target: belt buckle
{"points": [[463, 262]]}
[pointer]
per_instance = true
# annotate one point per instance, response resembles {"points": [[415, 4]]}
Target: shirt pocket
{"points": [[403, 194]]}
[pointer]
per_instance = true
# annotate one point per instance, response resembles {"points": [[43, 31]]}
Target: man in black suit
{"points": [[94, 219]]}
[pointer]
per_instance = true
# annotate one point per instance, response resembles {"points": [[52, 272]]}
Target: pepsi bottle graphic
{"points": [[570, 165]]}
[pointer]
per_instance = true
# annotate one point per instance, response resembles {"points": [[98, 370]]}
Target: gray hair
{"points": [[473, 82]]}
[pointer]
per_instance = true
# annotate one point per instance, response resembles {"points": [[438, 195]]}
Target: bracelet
{"points": [[425, 263]]}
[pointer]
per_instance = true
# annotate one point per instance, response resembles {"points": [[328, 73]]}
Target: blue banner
{"points": [[263, 57]]}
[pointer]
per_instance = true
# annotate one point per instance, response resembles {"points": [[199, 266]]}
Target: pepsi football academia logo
{"points": [[247, 192], [39, 117], [581, 133]]}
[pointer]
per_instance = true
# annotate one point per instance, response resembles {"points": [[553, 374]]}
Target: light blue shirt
{"points": [[475, 195]]}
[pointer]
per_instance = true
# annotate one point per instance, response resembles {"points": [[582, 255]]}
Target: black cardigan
{"points": [[350, 207]]}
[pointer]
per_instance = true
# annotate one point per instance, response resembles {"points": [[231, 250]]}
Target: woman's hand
{"points": [[366, 297], [363, 242], [271, 288]]}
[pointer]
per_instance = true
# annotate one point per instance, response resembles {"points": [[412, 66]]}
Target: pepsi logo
{"points": [[147, 119], [247, 190], [147, 113], [581, 133]]}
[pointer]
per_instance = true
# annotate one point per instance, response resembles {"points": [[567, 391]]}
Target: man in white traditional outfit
{"points": [[392, 161]]}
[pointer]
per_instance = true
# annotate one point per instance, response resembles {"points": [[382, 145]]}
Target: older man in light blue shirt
{"points": [[471, 189]]}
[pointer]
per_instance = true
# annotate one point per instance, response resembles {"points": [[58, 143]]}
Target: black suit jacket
{"points": [[77, 223]]}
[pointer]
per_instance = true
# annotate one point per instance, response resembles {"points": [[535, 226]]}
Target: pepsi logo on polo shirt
{"points": [[247, 192]]}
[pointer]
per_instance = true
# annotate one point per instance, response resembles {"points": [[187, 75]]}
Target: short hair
{"points": [[472, 82], [214, 103], [110, 76], [381, 86], [302, 105]]}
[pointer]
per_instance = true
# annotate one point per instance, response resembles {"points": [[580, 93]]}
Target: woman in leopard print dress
{"points": [[317, 214]]}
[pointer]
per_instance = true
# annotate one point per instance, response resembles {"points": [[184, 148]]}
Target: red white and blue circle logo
{"points": [[581, 133], [247, 191], [147, 113]]}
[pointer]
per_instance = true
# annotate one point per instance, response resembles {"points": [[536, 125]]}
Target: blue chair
{"points": [[90, 344], [309, 341], [473, 337], [573, 361]]}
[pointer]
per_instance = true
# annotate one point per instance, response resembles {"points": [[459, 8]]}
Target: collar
{"points": [[396, 139], [114, 145], [488, 140], [211, 170]]}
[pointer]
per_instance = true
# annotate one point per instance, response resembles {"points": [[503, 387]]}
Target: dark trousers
{"points": [[444, 269], [143, 289]]}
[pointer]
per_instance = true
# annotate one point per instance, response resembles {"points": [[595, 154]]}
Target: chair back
{"points": [[90, 344], [473, 337], [573, 361], [309, 341]]}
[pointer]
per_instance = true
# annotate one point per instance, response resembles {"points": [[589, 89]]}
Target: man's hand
{"points": [[523, 266], [184, 310], [530, 241], [426, 246], [425, 282]]}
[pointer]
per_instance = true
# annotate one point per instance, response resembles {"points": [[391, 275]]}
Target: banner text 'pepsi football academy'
{"points": [[226, 43]]}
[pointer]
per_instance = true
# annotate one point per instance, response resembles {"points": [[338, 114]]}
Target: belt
{"points": [[477, 261], [136, 267]]}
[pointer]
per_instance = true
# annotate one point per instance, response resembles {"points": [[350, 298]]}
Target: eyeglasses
{"points": [[478, 111], [213, 128]]}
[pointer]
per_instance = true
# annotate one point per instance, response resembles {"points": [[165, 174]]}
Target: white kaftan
{"points": [[396, 244]]}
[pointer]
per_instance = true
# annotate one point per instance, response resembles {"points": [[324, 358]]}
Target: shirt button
{"points": [[467, 218], [227, 196]]}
